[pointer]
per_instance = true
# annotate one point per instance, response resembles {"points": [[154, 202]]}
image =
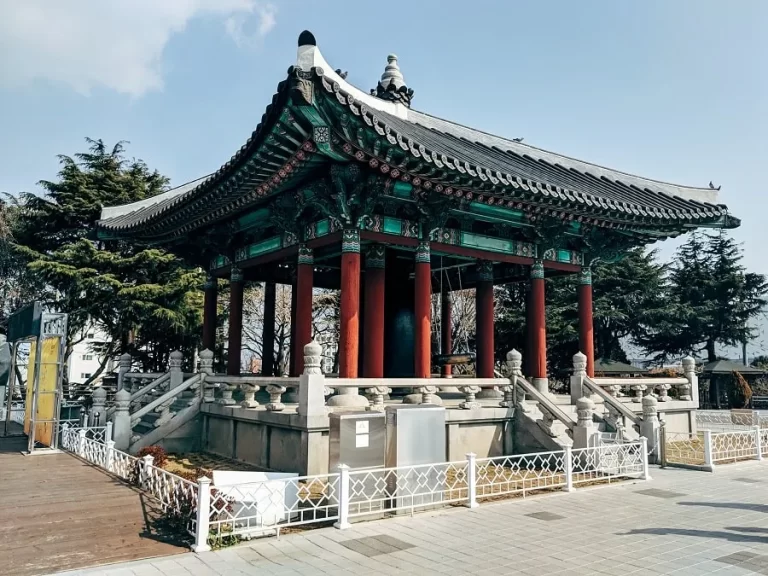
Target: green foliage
{"points": [[711, 299], [628, 300], [147, 300]]}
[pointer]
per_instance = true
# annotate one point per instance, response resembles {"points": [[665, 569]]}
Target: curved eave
{"points": [[270, 157], [498, 175]]}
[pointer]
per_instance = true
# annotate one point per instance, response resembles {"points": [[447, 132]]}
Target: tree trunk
{"points": [[711, 357]]}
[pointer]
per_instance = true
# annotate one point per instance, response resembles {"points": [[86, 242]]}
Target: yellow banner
{"points": [[47, 386]]}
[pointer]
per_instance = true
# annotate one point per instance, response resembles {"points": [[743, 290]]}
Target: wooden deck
{"points": [[59, 513]]}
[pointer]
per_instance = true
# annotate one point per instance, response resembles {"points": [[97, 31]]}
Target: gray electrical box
{"points": [[416, 435], [357, 439]]}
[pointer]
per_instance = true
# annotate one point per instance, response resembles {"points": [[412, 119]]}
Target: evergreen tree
{"points": [[147, 300], [712, 299]]}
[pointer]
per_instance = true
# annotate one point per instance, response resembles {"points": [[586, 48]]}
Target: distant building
{"points": [[84, 361]]}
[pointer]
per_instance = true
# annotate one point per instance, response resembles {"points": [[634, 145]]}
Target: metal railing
{"points": [[707, 448]]}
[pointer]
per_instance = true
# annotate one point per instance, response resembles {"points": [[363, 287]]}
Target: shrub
{"points": [[159, 457]]}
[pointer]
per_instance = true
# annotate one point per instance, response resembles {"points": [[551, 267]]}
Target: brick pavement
{"points": [[683, 522]]}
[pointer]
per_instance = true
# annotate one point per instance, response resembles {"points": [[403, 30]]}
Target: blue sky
{"points": [[676, 91]]}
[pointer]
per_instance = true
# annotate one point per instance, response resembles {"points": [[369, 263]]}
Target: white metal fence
{"points": [[245, 510], [708, 448]]}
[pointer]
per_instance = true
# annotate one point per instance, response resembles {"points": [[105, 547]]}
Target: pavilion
{"points": [[344, 189]]}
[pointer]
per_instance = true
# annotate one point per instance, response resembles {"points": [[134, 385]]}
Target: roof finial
{"points": [[392, 84]]}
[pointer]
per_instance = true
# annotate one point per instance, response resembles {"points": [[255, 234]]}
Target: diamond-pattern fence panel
{"points": [[520, 474], [607, 462], [407, 488], [733, 446], [254, 508]]}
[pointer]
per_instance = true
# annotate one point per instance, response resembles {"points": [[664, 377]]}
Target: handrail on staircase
{"points": [[144, 390], [544, 401], [171, 394], [617, 405]]}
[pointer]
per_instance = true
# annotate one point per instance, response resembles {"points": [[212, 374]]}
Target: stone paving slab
{"points": [[697, 523]]}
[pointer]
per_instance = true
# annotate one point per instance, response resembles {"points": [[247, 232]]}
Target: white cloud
{"points": [[116, 44]]}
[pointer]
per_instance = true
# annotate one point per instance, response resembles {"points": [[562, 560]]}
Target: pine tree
{"points": [[711, 297], [147, 300]]}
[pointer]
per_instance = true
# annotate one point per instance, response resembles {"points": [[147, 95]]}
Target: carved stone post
{"points": [[515, 363], [123, 367], [577, 378], [469, 402], [638, 390], [174, 367], [649, 427], [206, 368], [249, 391], [99, 410], [275, 398], [312, 382], [376, 394], [121, 420], [226, 395], [585, 431], [429, 395], [691, 392], [663, 391]]}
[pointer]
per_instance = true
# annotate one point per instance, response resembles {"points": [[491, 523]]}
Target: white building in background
{"points": [[84, 360]]}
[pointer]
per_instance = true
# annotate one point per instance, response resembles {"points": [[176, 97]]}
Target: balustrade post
{"points": [[708, 460], [123, 367], [275, 398], [226, 395], [638, 390], [577, 378], [206, 389], [758, 443], [472, 481], [470, 393], [429, 395], [203, 515], [663, 392], [81, 443], [568, 465], [585, 431], [649, 426], [343, 521], [99, 411], [312, 382], [121, 420], [644, 456], [146, 463], [662, 443], [108, 432], [175, 360], [249, 390], [515, 363], [109, 461], [377, 394], [689, 369]]}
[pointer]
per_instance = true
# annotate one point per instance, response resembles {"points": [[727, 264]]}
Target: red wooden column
{"points": [[538, 328], [373, 319], [211, 288], [586, 329], [422, 311], [292, 368], [446, 330], [268, 337], [303, 318], [349, 321], [350, 304], [235, 321], [484, 320]]}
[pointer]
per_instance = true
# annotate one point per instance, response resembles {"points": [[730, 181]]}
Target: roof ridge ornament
{"points": [[392, 85]]}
